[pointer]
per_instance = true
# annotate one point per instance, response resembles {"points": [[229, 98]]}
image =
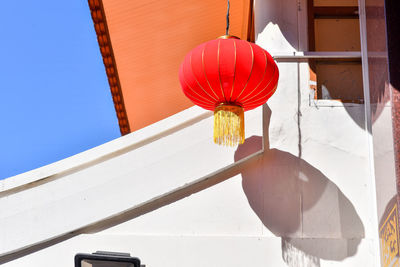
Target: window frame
{"points": [[329, 12]]}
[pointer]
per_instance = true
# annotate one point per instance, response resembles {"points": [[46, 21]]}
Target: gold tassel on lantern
{"points": [[228, 125]]}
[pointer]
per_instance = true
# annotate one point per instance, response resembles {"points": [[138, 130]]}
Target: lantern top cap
{"points": [[228, 37]]}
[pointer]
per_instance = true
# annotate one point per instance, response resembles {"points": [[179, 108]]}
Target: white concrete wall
{"points": [[305, 202], [216, 227]]}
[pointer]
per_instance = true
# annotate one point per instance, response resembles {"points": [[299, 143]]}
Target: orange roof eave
{"points": [[104, 40]]}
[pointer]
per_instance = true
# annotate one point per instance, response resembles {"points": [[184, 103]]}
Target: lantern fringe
{"points": [[228, 125]]}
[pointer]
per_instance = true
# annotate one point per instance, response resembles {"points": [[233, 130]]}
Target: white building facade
{"points": [[311, 186]]}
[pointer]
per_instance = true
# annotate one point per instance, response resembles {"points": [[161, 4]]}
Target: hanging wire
{"points": [[227, 20]]}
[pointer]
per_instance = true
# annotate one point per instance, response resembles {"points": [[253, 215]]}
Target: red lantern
{"points": [[228, 76]]}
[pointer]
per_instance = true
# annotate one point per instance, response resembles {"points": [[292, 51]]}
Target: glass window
{"points": [[333, 26]]}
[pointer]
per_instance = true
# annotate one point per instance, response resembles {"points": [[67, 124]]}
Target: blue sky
{"points": [[55, 100]]}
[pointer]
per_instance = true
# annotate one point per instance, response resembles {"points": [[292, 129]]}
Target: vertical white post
{"points": [[368, 127]]}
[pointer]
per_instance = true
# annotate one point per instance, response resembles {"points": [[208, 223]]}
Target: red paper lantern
{"points": [[228, 76]]}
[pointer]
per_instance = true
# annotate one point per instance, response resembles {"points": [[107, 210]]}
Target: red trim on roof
{"points": [[103, 38]]}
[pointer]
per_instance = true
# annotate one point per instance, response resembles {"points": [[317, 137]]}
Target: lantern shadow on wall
{"points": [[297, 202]]}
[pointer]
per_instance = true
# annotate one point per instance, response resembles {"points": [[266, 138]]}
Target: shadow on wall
{"points": [[388, 209], [297, 202]]}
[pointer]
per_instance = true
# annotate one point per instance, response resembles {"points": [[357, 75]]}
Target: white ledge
{"points": [[107, 150], [116, 181]]}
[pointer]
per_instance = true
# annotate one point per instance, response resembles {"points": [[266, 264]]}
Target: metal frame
{"points": [[106, 257], [305, 56]]}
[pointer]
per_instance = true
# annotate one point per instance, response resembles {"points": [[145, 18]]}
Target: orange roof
{"points": [[149, 40]]}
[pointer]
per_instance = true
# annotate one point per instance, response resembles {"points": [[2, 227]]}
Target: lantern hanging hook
{"points": [[227, 19]]}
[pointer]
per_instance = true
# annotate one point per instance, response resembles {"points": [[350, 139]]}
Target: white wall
{"points": [[305, 202]]}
